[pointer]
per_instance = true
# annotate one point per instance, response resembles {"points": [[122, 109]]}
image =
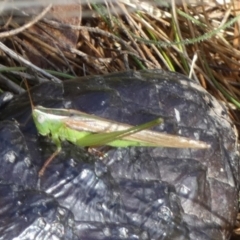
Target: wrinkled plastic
{"points": [[5, 98], [133, 193]]}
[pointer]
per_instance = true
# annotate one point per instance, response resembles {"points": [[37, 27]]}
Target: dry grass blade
{"points": [[27, 25]]}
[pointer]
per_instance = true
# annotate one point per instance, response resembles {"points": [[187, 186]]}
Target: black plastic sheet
{"points": [[133, 193]]}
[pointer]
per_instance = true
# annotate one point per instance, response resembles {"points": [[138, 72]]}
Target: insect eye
{"points": [[41, 118]]}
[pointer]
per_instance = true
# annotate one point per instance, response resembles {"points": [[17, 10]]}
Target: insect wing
{"points": [[106, 131], [103, 138]]}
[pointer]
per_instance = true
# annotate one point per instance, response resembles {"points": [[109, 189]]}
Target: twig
{"points": [[20, 59], [90, 29], [11, 85], [27, 25]]}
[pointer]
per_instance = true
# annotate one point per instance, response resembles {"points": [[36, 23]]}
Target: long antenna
{"points": [[29, 95]]}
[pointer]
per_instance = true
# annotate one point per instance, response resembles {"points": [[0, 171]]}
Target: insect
{"points": [[88, 130]]}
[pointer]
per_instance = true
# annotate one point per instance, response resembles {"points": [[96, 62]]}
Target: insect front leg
{"points": [[57, 141]]}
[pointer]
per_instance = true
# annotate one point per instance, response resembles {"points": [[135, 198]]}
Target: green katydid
{"points": [[87, 130]]}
